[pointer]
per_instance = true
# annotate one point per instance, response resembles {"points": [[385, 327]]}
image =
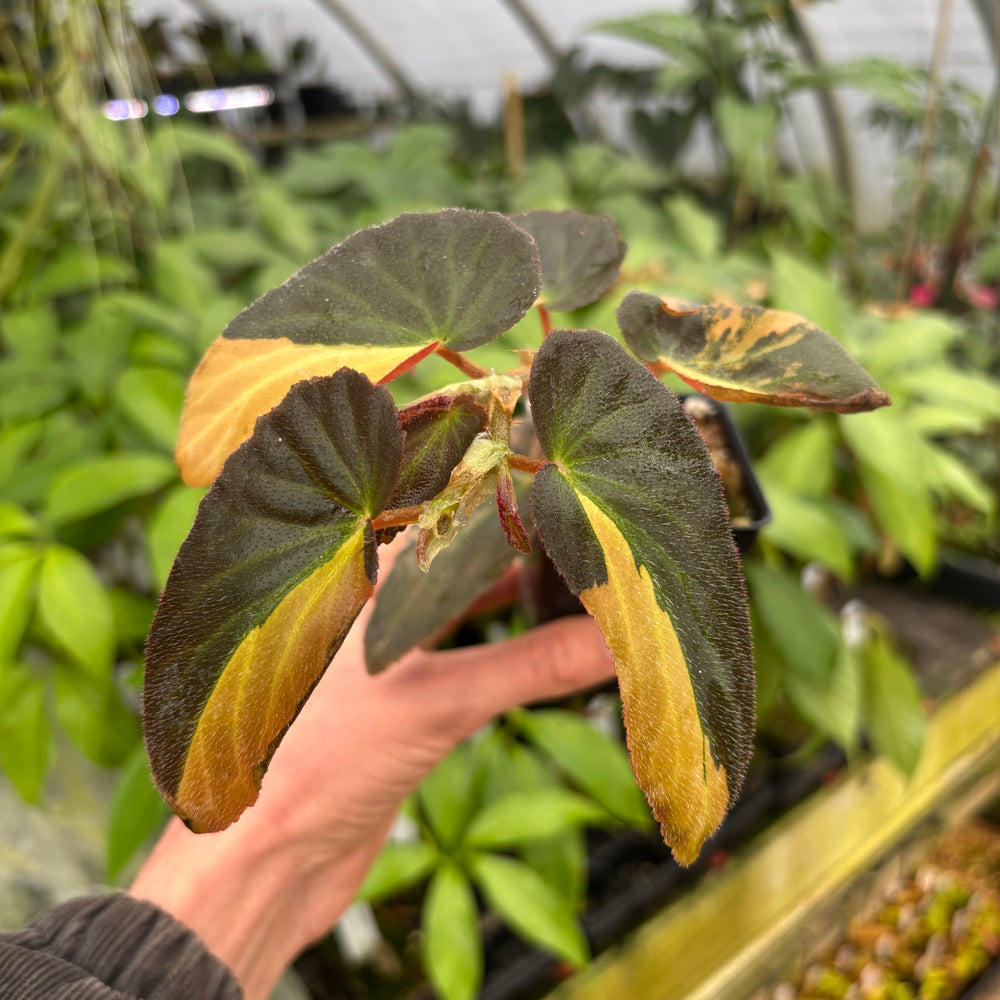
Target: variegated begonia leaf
{"points": [[279, 562], [378, 303], [438, 430], [747, 354], [484, 471], [413, 606], [631, 512], [581, 255]]}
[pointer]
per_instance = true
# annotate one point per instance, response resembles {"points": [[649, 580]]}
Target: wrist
{"points": [[240, 890]]}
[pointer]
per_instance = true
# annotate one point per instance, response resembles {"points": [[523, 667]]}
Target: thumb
{"points": [[550, 661]]}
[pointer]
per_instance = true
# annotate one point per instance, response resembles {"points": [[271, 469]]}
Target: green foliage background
{"points": [[124, 251]]}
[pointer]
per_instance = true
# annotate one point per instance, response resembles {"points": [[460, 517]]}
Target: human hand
{"points": [[260, 891]]}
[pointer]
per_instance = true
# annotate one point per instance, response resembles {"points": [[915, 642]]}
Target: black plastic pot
{"points": [[976, 581], [758, 512], [963, 578]]}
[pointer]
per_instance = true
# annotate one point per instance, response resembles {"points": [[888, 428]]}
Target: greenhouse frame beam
{"points": [[532, 24], [208, 9], [989, 16], [379, 54]]}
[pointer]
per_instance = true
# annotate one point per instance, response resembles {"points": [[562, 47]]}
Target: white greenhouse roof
{"points": [[377, 49], [466, 47]]}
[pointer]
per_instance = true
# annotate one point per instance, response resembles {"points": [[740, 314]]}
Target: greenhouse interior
{"points": [[407, 425]]}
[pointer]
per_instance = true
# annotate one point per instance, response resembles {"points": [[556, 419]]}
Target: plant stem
{"points": [[942, 32], [461, 362], [513, 127], [546, 317], [398, 517], [525, 464], [959, 236]]}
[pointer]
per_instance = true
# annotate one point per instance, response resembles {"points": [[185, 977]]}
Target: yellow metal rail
{"points": [[718, 943]]}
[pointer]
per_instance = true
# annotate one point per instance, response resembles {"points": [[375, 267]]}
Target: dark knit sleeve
{"points": [[110, 948]]}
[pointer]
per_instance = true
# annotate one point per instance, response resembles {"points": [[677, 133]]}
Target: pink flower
{"points": [[923, 296], [982, 296]]}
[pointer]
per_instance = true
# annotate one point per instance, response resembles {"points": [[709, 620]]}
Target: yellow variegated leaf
{"points": [[747, 354], [238, 380], [377, 302], [263, 685], [280, 560], [671, 752], [631, 512]]}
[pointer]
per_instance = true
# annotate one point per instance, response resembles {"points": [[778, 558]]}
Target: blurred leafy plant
{"points": [[728, 73], [108, 295], [506, 793]]}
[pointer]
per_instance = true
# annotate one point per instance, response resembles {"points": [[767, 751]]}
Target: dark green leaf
{"points": [[531, 906], [632, 514], [802, 630], [282, 552], [16, 522], [93, 714], [747, 354], [74, 610], [531, 815], [592, 760], [397, 867], [458, 277], [581, 255], [892, 710], [452, 946], [447, 798], [137, 811], [438, 431], [19, 565], [168, 528], [25, 737], [31, 333], [151, 398], [412, 606], [377, 302], [98, 484]]}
